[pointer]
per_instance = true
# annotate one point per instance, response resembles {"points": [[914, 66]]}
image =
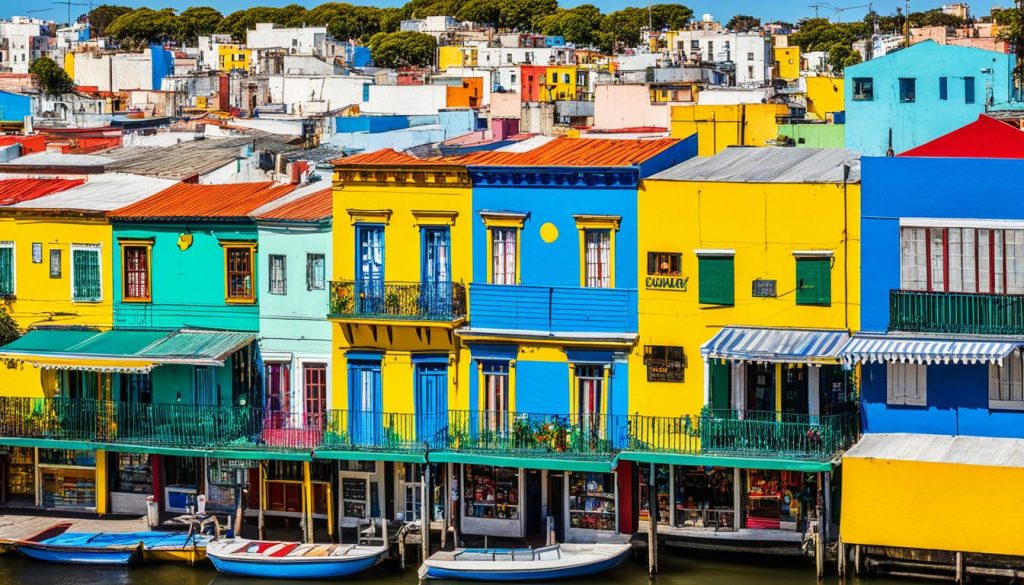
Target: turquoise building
{"points": [[922, 92]]}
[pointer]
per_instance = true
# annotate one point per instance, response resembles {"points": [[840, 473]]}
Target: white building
{"points": [[749, 53], [882, 45], [303, 95], [114, 71], [307, 40], [208, 48], [27, 39], [496, 56], [436, 26]]}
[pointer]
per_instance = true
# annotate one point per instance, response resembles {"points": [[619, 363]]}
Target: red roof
{"points": [[188, 200], [314, 207], [986, 137], [18, 190]]}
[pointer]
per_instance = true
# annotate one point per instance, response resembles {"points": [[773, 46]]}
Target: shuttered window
{"points": [[906, 384], [316, 270], [716, 280], [814, 281], [85, 273], [6, 269]]}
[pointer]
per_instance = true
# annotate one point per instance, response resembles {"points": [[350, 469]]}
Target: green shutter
{"points": [[6, 271], [814, 281], [716, 280], [720, 382], [87, 274]]}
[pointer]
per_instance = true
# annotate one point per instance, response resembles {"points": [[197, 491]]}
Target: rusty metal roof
{"points": [[233, 201], [18, 190], [389, 157], [300, 205]]}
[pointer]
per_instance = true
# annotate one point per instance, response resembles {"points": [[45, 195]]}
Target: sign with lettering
{"points": [[764, 288], [667, 282]]}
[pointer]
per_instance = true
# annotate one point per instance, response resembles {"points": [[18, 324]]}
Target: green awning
{"points": [[217, 453], [349, 455], [801, 465], [500, 460], [47, 443]]}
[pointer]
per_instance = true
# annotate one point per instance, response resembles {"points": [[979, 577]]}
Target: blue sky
{"points": [[789, 10]]}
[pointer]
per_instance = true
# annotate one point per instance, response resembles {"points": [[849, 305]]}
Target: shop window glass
{"points": [[592, 501], [491, 492], [134, 474], [1006, 383], [775, 499], [704, 497], [906, 384], [663, 495], [665, 363]]}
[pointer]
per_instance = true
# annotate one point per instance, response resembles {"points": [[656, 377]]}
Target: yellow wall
{"points": [[764, 224], [917, 504], [824, 94], [787, 62], [555, 86], [233, 57], [69, 64], [455, 56], [720, 126]]}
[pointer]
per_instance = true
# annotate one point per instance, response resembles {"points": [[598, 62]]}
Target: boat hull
{"points": [[297, 569], [190, 556], [523, 573], [106, 557]]}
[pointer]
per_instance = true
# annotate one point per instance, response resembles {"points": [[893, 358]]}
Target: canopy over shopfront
{"points": [[771, 345], [881, 348], [125, 351]]}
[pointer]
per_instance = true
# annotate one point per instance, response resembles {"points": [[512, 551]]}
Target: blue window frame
{"points": [[435, 273], [431, 394], [365, 403], [370, 269], [943, 88], [908, 90], [968, 90]]}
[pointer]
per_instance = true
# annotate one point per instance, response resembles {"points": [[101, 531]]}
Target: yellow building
{"points": [[560, 83], [824, 96], [787, 62], [231, 57], [721, 126], [456, 56]]}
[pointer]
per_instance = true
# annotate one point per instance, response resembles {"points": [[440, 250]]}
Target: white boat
{"points": [[291, 560], [558, 561]]}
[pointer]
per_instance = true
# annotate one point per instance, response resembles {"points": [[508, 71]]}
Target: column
{"points": [[307, 497], [101, 482], [814, 392]]}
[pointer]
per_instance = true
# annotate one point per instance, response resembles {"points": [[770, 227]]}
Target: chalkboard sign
{"points": [[353, 489], [764, 288]]}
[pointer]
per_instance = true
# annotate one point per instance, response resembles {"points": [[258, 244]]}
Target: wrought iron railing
{"points": [[426, 301], [954, 312], [522, 433]]}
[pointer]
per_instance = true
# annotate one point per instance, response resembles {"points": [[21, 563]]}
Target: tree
{"points": [[841, 56], [935, 17], [1011, 30], [624, 27], [818, 34], [195, 22], [402, 49], [143, 26], [521, 15], [239, 23], [481, 11], [101, 17], [52, 79], [743, 23], [579, 25]]}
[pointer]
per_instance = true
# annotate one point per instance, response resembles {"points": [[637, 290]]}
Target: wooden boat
{"points": [[291, 560], [57, 545], [558, 561]]}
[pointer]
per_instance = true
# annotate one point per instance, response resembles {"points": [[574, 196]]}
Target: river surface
{"points": [[675, 570]]}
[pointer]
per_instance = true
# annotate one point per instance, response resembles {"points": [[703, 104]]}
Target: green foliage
{"points": [[51, 77], [345, 21], [580, 25], [743, 23], [402, 49], [195, 22], [623, 28], [1011, 30], [8, 328], [818, 34], [143, 26], [239, 22], [935, 17], [101, 17], [842, 56]]}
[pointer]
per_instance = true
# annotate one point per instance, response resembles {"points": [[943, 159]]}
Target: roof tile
{"points": [[191, 201]]}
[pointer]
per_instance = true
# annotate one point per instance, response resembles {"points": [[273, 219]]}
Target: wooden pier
{"points": [[15, 527]]}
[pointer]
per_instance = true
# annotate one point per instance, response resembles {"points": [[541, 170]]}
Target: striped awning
{"points": [[770, 345], [882, 348]]}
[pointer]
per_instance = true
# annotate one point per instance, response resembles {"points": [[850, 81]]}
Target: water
{"points": [[675, 570]]}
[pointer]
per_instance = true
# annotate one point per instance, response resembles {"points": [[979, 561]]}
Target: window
{"points": [[135, 265], [863, 89], [906, 384], [908, 90], [814, 281], [513, 78], [664, 263], [968, 90], [55, 263], [750, 56], [495, 398], [589, 399], [314, 389], [239, 266], [6, 269], [716, 279], [962, 259], [554, 77], [943, 88], [566, 78], [1006, 383], [694, 45], [366, 92], [316, 272], [599, 258], [278, 274], [136, 388], [665, 363], [85, 273], [503, 254]]}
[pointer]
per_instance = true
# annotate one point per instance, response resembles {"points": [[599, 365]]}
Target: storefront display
{"points": [[704, 497], [360, 488], [132, 483], [182, 475], [68, 478], [492, 492], [592, 501], [21, 475], [662, 484], [774, 499]]}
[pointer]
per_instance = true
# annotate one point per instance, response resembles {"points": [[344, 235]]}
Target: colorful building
{"points": [[232, 57], [561, 83], [825, 96], [720, 126], [787, 62]]}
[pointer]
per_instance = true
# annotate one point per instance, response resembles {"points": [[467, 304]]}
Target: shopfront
{"points": [[491, 501], [67, 479], [20, 477], [361, 492], [132, 481], [593, 504]]}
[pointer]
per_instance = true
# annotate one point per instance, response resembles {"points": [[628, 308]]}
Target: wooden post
{"points": [[102, 493], [856, 559], [262, 483], [959, 568], [841, 561], [425, 513], [826, 525], [307, 496], [819, 554], [652, 525], [330, 511], [454, 503], [444, 520]]}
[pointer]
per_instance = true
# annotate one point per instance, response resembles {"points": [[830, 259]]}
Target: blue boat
{"points": [[57, 545], [291, 560], [559, 561]]}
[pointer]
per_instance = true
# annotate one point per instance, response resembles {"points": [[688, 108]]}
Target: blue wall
{"points": [[163, 64], [14, 107], [928, 117]]}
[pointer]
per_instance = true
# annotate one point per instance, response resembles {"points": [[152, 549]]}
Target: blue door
{"points": [[435, 278], [369, 269], [364, 404], [431, 402]]}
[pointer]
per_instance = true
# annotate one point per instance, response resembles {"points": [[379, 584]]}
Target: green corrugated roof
{"points": [[49, 340], [196, 344]]}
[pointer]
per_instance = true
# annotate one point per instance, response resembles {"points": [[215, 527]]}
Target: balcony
{"points": [[553, 310], [398, 301], [969, 313], [535, 435]]}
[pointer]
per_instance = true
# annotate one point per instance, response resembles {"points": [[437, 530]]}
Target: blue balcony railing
{"points": [[409, 301], [553, 309]]}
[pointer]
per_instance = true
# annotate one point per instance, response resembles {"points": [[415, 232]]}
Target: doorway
{"points": [[556, 503]]}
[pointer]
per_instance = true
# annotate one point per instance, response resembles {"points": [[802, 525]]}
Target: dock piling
{"points": [[652, 525]]}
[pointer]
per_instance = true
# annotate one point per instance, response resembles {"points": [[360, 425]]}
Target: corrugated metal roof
{"points": [[13, 191], [56, 159], [316, 206], [953, 449], [576, 152], [775, 345], [197, 345], [882, 348], [191, 201], [192, 158], [101, 193], [740, 164]]}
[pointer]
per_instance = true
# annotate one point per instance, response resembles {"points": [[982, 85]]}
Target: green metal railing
{"points": [[953, 312], [377, 299], [522, 433]]}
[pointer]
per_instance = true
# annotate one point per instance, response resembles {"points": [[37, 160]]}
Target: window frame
{"points": [[147, 245], [587, 224], [12, 246], [1004, 374], [655, 259], [970, 90], [805, 259], [311, 282], [892, 397], [271, 283], [59, 254], [994, 267], [250, 248], [503, 220], [662, 356], [862, 97], [98, 249], [705, 297], [943, 88], [904, 83], [488, 415]]}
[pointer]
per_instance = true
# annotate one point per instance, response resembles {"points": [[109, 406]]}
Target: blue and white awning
{"points": [[767, 345], [881, 348]]}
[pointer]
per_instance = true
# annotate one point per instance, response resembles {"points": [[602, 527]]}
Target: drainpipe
{"points": [[846, 249]]}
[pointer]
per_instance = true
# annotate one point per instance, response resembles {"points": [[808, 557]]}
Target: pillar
{"points": [[307, 497], [841, 558], [156, 469], [814, 392], [652, 523], [959, 568], [778, 388], [425, 513], [102, 490], [262, 486]]}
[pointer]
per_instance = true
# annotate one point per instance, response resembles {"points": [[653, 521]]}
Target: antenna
{"points": [[69, 4], [817, 6]]}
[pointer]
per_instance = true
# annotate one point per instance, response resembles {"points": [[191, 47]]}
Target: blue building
{"points": [[922, 92], [14, 107]]}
